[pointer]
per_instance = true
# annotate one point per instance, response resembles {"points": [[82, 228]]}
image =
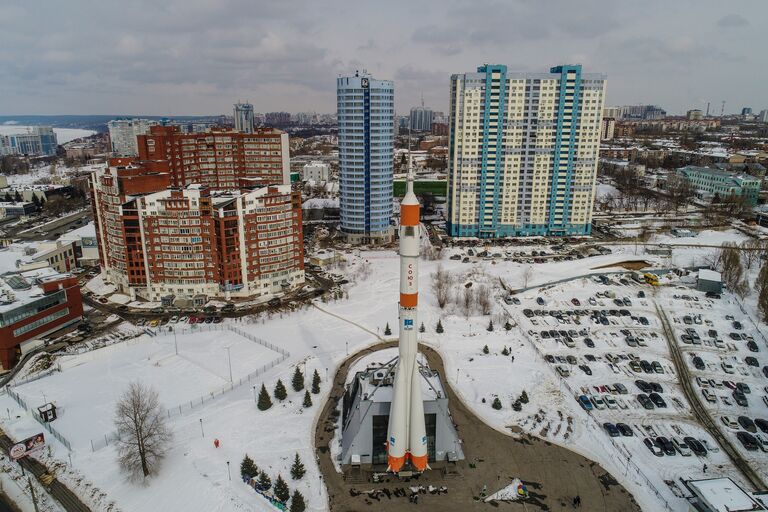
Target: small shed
{"points": [[709, 281]]}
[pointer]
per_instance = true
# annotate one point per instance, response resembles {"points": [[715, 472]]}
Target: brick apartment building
{"points": [[164, 236], [34, 304]]}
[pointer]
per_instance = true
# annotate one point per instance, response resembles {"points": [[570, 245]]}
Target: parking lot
{"points": [[603, 337]]}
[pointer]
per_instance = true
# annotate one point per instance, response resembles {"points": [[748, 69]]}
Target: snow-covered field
{"points": [[63, 135], [194, 476]]}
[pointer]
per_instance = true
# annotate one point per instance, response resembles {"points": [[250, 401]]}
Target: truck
{"points": [[651, 279]]}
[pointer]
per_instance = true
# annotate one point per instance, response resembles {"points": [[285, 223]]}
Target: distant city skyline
{"points": [[199, 57]]}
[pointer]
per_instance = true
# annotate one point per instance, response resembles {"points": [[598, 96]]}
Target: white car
{"points": [[621, 403], [598, 402], [563, 371], [614, 368], [727, 367], [174, 319], [709, 396], [729, 422], [711, 447], [762, 441], [183, 319], [681, 447], [610, 402]]}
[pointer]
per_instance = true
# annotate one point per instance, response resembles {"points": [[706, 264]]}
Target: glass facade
{"points": [[366, 109], [15, 315]]}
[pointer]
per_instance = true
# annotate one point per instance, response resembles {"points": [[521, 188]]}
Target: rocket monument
{"points": [[406, 435]]}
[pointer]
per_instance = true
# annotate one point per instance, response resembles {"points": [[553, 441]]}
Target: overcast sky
{"points": [[177, 57]]}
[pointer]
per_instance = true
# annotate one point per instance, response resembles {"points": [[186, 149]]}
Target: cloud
{"points": [[732, 21]]}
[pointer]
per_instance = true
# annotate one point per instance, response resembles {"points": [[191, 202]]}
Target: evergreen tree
{"points": [[281, 489], [387, 330], [297, 502], [490, 326], [507, 326], [264, 481], [316, 383], [264, 402], [248, 468], [280, 392], [307, 399], [524, 397], [298, 380], [517, 406], [485, 349], [421, 328], [17, 197], [439, 329], [297, 469], [496, 403], [505, 352]]}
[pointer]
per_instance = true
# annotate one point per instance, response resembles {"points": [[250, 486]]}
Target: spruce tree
{"points": [[485, 349], [264, 402], [387, 330], [517, 406], [496, 403], [297, 502], [505, 352], [280, 392], [315, 383], [490, 326], [524, 397], [264, 481], [439, 329], [421, 328], [298, 380], [307, 399], [507, 326], [248, 468], [281, 489], [297, 469]]}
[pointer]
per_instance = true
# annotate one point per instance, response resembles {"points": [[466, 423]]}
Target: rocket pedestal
{"points": [[406, 436]]}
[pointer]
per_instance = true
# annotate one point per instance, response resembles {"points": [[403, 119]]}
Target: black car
{"points": [[735, 336], [590, 357], [589, 343], [747, 440], [586, 369], [645, 401], [747, 424], [695, 445], [643, 386], [666, 445], [744, 388], [653, 447], [698, 363], [762, 425], [228, 308], [752, 346], [528, 313], [570, 359], [646, 366], [765, 371], [657, 400], [751, 361], [641, 294], [274, 302], [549, 358], [737, 325], [611, 429], [643, 320], [625, 429], [739, 398], [540, 301]]}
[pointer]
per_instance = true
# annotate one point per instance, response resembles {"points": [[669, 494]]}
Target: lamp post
{"points": [[229, 474], [229, 359], [201, 427], [254, 394]]}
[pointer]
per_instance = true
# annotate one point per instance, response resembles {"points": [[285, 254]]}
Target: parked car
{"points": [[748, 441], [621, 388], [681, 447], [747, 424], [585, 403], [737, 325], [666, 445], [695, 445], [635, 367], [657, 367], [698, 363], [729, 422], [727, 367], [611, 429], [657, 400], [586, 369], [598, 402], [709, 396], [643, 386], [653, 447], [740, 398], [761, 424], [540, 301], [646, 366], [625, 430], [645, 401], [752, 346], [751, 361]]}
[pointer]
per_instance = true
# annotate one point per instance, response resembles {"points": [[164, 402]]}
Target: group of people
{"points": [[576, 502]]}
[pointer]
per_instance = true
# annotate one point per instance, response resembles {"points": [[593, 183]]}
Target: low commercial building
{"points": [[85, 243], [722, 495], [713, 184], [33, 305], [316, 171], [709, 281], [19, 209], [158, 241]]}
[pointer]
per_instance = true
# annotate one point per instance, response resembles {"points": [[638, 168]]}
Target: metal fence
{"points": [[47, 426], [180, 409]]}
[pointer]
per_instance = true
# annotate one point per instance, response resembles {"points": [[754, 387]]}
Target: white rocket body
{"points": [[407, 437]]}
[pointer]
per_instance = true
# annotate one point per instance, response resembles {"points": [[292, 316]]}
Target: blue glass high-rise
{"points": [[366, 109]]}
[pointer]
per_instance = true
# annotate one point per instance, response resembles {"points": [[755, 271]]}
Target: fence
{"points": [[47, 426], [178, 410], [624, 454]]}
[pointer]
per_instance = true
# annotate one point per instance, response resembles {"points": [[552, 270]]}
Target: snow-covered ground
{"points": [[194, 476]]}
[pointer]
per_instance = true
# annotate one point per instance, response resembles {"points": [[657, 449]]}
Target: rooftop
{"points": [[431, 385], [17, 289], [723, 495]]}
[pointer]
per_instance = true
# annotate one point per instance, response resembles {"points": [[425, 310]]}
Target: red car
{"points": [[575, 302], [192, 319]]}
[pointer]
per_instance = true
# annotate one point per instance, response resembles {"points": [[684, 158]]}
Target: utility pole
{"points": [[32, 492], [229, 359]]}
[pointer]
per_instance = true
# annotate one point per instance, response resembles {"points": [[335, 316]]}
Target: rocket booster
{"points": [[406, 436]]}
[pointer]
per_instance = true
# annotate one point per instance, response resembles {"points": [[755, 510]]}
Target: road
{"points": [[701, 412], [54, 228]]}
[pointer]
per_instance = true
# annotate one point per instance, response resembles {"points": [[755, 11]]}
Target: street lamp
{"points": [[254, 394], [201, 427], [229, 474], [229, 359]]}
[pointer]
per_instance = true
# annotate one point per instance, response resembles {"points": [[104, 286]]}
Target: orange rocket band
{"points": [[409, 215], [409, 300]]}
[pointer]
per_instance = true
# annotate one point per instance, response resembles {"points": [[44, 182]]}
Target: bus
{"points": [[651, 279]]}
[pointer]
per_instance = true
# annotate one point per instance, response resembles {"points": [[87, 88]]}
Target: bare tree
{"points": [[751, 251], [143, 435], [762, 287], [468, 301], [733, 270], [484, 299], [441, 285]]}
